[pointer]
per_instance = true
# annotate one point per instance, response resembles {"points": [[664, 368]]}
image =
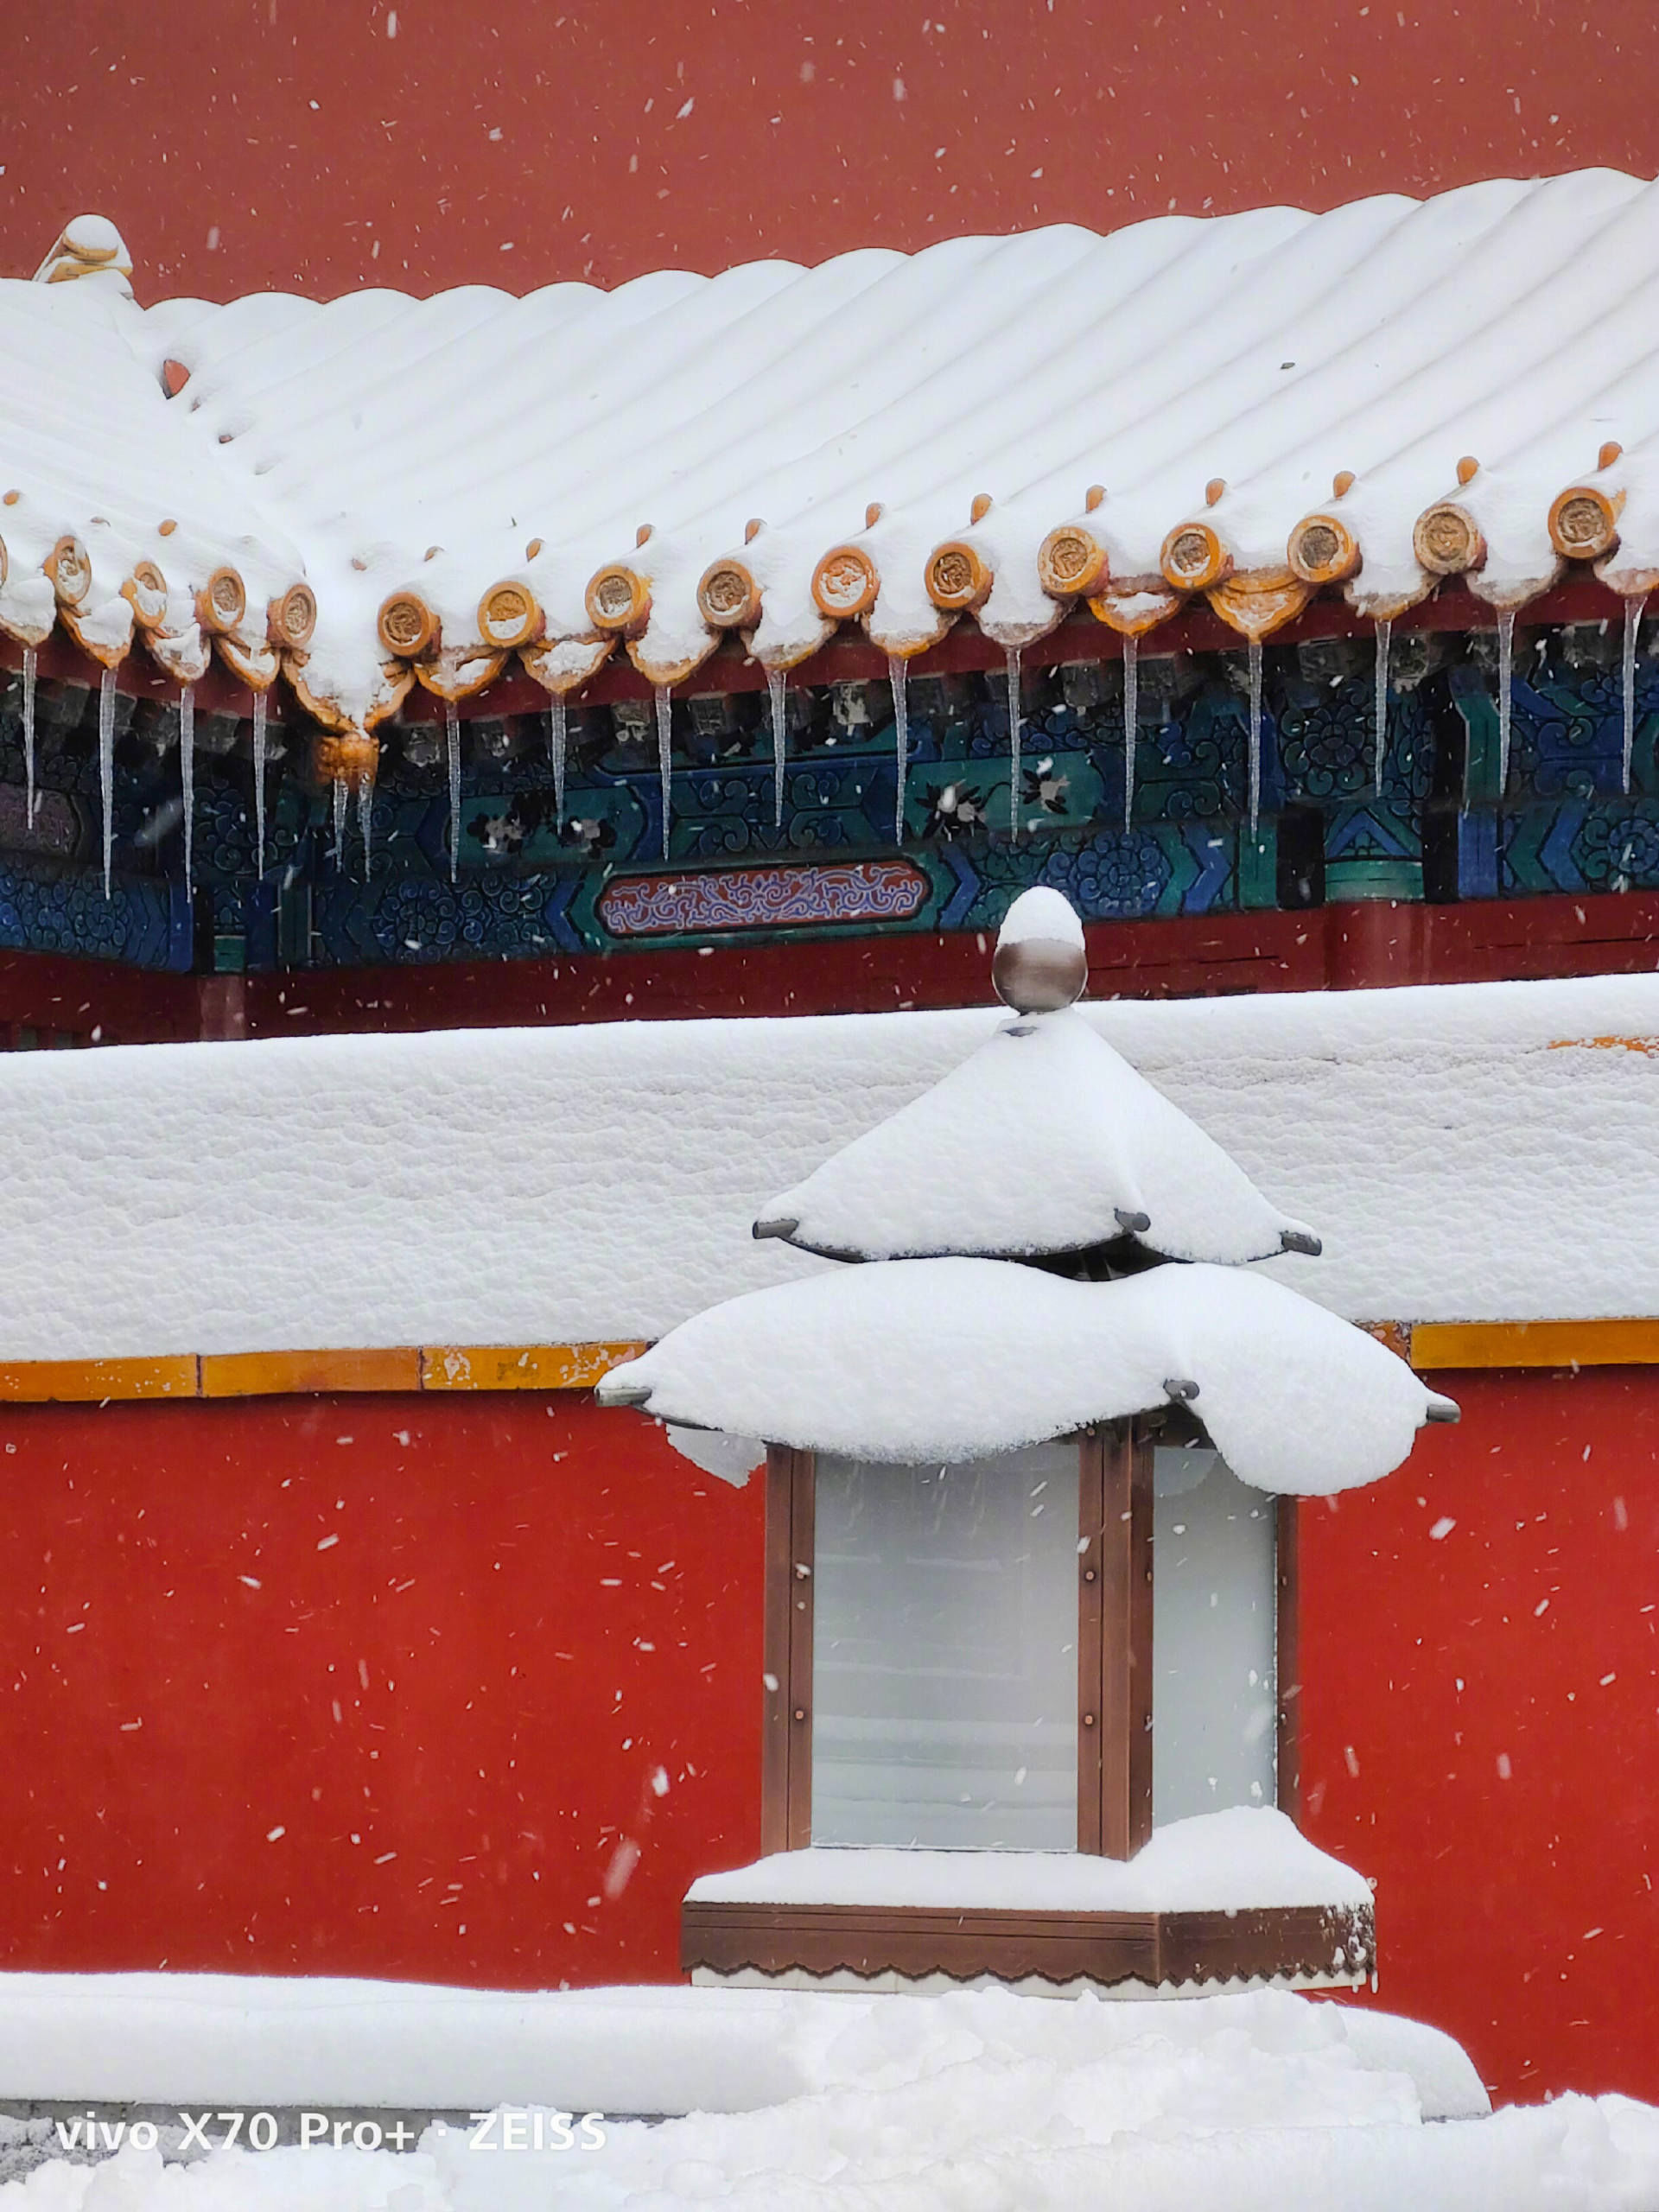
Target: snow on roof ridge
{"points": [[1467, 373]]}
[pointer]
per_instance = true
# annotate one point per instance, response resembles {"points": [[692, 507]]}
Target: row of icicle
{"points": [[777, 703]]}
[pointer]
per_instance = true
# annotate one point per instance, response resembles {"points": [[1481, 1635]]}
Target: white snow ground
{"points": [[982, 2101]]}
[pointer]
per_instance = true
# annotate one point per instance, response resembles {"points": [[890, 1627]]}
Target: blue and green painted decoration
{"points": [[528, 884]]}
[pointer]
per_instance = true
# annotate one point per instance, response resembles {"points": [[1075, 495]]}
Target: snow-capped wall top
{"points": [[944, 1360], [1478, 1151], [1253, 407], [1043, 1140]]}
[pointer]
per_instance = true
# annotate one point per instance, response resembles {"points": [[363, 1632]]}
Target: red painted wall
{"points": [[302, 144], [481, 1625], [1481, 1724], [550, 1605], [1338, 947]]}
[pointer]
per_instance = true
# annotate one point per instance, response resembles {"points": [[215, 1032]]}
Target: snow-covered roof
{"points": [[1473, 1151], [952, 1359], [1043, 1140], [1253, 406]]}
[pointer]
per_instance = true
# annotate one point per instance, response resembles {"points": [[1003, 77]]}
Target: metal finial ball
{"points": [[1039, 975]]}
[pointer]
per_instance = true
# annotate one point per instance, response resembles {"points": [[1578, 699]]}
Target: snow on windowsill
{"points": [[1244, 1859]]}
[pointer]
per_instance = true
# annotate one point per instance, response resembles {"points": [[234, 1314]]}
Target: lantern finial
{"points": [[1039, 965]]}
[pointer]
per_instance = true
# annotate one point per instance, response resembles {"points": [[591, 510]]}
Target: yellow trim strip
{"points": [[1428, 1345], [41, 1381], [1536, 1344], [521, 1367], [277, 1374]]}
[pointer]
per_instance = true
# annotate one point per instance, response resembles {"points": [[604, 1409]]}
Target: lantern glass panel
{"points": [[946, 1653], [1215, 1618]]}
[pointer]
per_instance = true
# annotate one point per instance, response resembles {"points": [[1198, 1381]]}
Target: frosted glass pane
{"points": [[1214, 1628], [945, 1655]]}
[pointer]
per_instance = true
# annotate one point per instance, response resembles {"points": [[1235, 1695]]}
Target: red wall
{"points": [[1481, 1724], [497, 1576], [532, 1606], [246, 143], [1375, 944], [1338, 948]]}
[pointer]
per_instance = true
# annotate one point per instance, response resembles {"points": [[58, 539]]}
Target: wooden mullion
{"points": [[802, 1561], [1287, 1670], [1120, 1680], [1091, 1513], [775, 1651]]}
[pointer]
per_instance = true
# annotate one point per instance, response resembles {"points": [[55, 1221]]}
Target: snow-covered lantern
{"points": [[1029, 1560]]}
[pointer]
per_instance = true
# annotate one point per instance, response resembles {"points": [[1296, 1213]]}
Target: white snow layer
{"points": [[1232, 1861], [1036, 1143], [1270, 350], [946, 1360], [1041, 915], [274, 2041], [984, 2100], [1474, 1152]]}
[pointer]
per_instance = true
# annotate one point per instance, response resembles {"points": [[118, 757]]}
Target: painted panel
{"points": [[716, 900]]}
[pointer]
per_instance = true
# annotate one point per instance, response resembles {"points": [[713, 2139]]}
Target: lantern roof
{"points": [[944, 1360], [1044, 1142]]}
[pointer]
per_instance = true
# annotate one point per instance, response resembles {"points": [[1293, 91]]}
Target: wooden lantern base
{"points": [[1300, 1947]]}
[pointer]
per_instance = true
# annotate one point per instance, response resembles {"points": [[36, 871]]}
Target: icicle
{"points": [[452, 746], [106, 766], [365, 821], [339, 823], [664, 756], [776, 681], [1255, 657], [1131, 718], [28, 728], [1013, 740], [558, 722], [898, 678], [1505, 688], [1379, 740], [1633, 627], [188, 778], [260, 703]]}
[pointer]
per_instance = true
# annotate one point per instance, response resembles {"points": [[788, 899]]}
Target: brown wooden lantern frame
{"points": [[1114, 1753]]}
